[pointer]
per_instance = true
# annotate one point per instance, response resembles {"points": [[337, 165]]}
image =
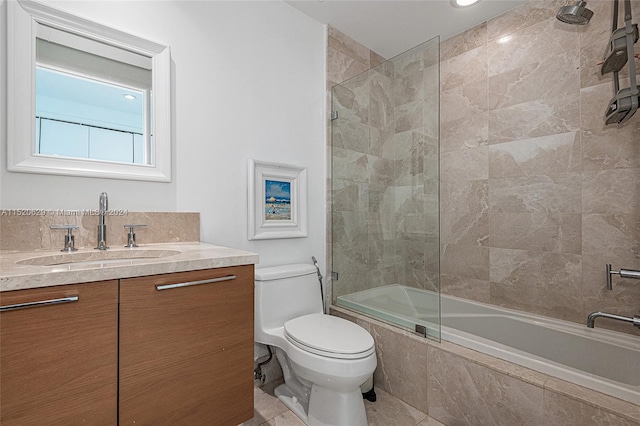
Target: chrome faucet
{"points": [[635, 320], [102, 228]]}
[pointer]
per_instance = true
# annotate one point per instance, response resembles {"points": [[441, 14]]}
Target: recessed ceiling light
{"points": [[129, 97], [463, 3]]}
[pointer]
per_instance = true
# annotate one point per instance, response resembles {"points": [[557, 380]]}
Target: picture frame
{"points": [[277, 201]]}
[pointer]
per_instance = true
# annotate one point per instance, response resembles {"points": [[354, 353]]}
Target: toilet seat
{"points": [[329, 336]]}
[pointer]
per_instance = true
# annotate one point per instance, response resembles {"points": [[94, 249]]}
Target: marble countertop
{"points": [[33, 269]]}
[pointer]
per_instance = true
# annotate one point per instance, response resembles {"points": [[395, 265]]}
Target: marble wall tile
{"points": [[349, 228], [408, 63], [464, 101], [23, 232], [465, 164], [532, 81], [409, 116], [558, 193], [409, 169], [465, 213], [562, 410], [465, 261], [557, 233], [353, 272], [469, 288], [611, 235], [532, 46], [463, 69], [464, 393], [593, 399], [351, 99], [545, 155], [529, 14], [409, 88], [394, 374], [375, 59], [342, 67], [415, 278], [34, 233], [611, 191], [349, 196], [465, 132], [350, 135], [621, 300], [537, 282], [350, 165], [406, 143], [611, 151], [430, 52], [381, 142], [381, 111], [341, 42], [468, 40], [536, 118]]}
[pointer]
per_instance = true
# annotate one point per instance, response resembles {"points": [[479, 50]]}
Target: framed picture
{"points": [[277, 201]]}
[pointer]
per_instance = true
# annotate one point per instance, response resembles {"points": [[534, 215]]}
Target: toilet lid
{"points": [[329, 336]]}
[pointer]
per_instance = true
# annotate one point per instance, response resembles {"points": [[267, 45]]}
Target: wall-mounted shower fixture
{"points": [[624, 273], [591, 319], [625, 102], [577, 14]]}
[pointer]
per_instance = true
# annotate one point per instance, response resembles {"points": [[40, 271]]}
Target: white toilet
{"points": [[324, 359]]}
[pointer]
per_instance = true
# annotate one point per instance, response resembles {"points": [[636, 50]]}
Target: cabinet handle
{"points": [[190, 283], [39, 303]]}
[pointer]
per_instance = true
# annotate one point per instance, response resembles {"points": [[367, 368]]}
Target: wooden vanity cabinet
{"points": [[58, 362], [186, 351]]}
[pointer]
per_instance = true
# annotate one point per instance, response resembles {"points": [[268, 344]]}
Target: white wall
{"points": [[248, 82]]}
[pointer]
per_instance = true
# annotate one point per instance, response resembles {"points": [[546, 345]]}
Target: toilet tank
{"points": [[283, 293]]}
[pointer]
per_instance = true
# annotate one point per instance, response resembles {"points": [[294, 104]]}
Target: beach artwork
{"points": [[277, 200], [277, 205]]}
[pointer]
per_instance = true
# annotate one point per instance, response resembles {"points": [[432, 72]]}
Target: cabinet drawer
{"points": [[58, 362]]}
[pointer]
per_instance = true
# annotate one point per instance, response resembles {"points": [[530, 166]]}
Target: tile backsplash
{"points": [[29, 229]]}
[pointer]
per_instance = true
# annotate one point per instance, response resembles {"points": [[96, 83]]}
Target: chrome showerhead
{"points": [[577, 14]]}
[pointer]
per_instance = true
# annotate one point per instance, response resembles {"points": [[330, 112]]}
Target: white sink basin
{"points": [[98, 258]]}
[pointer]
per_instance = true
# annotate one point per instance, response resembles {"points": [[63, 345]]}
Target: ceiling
{"points": [[390, 27]]}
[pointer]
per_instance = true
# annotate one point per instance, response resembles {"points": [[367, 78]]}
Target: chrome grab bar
{"points": [[192, 283], [624, 273], [69, 299]]}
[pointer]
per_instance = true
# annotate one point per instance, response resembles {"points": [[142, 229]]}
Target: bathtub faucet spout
{"points": [[635, 320]]}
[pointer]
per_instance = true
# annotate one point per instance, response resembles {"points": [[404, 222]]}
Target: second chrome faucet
{"points": [[102, 228]]}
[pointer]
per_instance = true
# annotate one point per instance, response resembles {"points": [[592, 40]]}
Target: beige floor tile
{"points": [[286, 419], [387, 410], [266, 406]]}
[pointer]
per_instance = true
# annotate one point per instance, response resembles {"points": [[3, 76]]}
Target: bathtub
{"points": [[603, 360]]}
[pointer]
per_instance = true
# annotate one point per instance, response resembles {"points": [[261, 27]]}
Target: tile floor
{"points": [[386, 411]]}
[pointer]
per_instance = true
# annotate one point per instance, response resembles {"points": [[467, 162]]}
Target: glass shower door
{"points": [[385, 191]]}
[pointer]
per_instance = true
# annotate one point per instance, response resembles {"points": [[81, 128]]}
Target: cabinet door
{"points": [[186, 353], [58, 361]]}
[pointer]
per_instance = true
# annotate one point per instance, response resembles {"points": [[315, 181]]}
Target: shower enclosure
{"points": [[385, 190]]}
